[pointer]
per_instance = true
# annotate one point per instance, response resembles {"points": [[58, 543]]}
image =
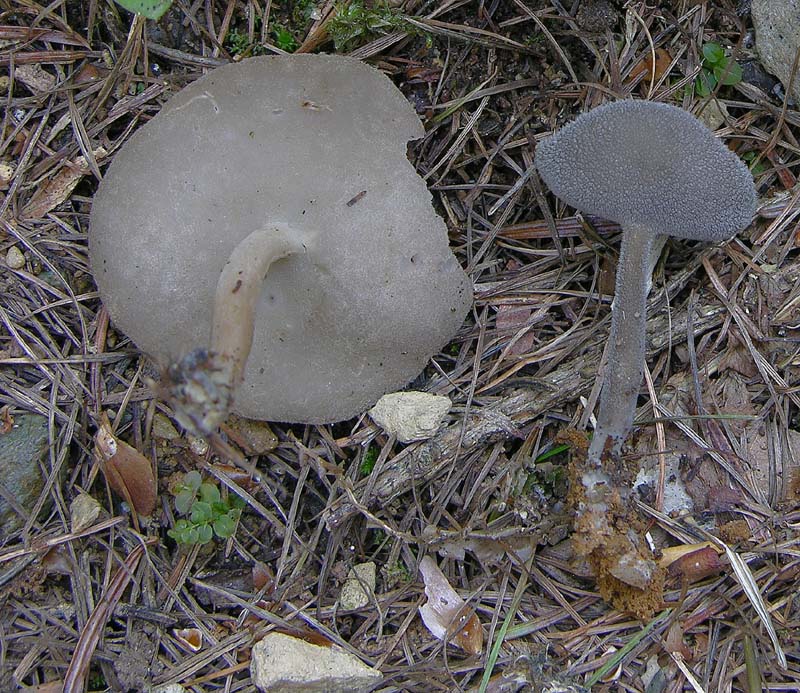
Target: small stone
{"points": [[283, 664], [35, 77], [83, 511], [714, 114], [6, 174], [14, 258], [256, 437], [410, 415], [359, 587], [163, 428], [168, 688], [199, 446]]}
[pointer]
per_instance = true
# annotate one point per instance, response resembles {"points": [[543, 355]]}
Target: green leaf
{"points": [[705, 83], [209, 492], [184, 500], [201, 512], [204, 534], [729, 74], [284, 39], [152, 9], [224, 527], [219, 508], [369, 460], [713, 53], [191, 535], [192, 480]]}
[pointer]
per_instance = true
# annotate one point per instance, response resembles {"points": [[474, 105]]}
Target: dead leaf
{"points": [[127, 471], [674, 641], [510, 320], [244, 479], [262, 577], [663, 62], [446, 615], [190, 639], [692, 562], [59, 187], [57, 561]]}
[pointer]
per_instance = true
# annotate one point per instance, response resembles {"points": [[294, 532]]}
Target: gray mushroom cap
{"points": [[313, 142], [649, 164]]}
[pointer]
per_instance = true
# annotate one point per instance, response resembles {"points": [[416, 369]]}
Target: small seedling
{"points": [[237, 42], [369, 460], [284, 39], [718, 69], [151, 9], [355, 23], [756, 165], [208, 513]]}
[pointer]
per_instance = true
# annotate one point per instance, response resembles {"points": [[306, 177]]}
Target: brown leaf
{"points": [[674, 641], [692, 562], [262, 577], [244, 479], [6, 420], [510, 320], [127, 471], [645, 67], [446, 615]]}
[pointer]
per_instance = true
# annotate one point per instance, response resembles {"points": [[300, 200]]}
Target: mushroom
{"points": [[656, 170], [267, 228]]}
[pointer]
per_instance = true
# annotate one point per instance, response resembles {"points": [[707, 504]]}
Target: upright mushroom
{"points": [[267, 226], [656, 170]]}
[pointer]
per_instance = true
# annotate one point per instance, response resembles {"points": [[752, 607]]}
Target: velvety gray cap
{"points": [[315, 142], [651, 164]]}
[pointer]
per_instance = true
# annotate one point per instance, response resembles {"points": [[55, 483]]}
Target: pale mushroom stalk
{"points": [[239, 288], [201, 387], [626, 343]]}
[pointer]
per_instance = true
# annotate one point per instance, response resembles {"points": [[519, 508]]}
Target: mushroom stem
{"points": [[626, 345], [200, 387], [238, 289]]}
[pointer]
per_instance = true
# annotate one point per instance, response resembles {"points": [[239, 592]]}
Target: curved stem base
{"points": [[202, 385]]}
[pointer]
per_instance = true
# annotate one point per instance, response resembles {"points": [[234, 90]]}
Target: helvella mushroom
{"points": [[266, 240], [656, 170]]}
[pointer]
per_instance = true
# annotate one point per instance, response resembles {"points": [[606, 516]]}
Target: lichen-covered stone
{"points": [[22, 452], [777, 25]]}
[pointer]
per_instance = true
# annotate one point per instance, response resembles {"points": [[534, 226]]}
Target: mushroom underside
{"points": [[315, 143]]}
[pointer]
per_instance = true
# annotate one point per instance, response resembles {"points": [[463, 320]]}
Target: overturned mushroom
{"points": [[267, 226], [656, 170]]}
